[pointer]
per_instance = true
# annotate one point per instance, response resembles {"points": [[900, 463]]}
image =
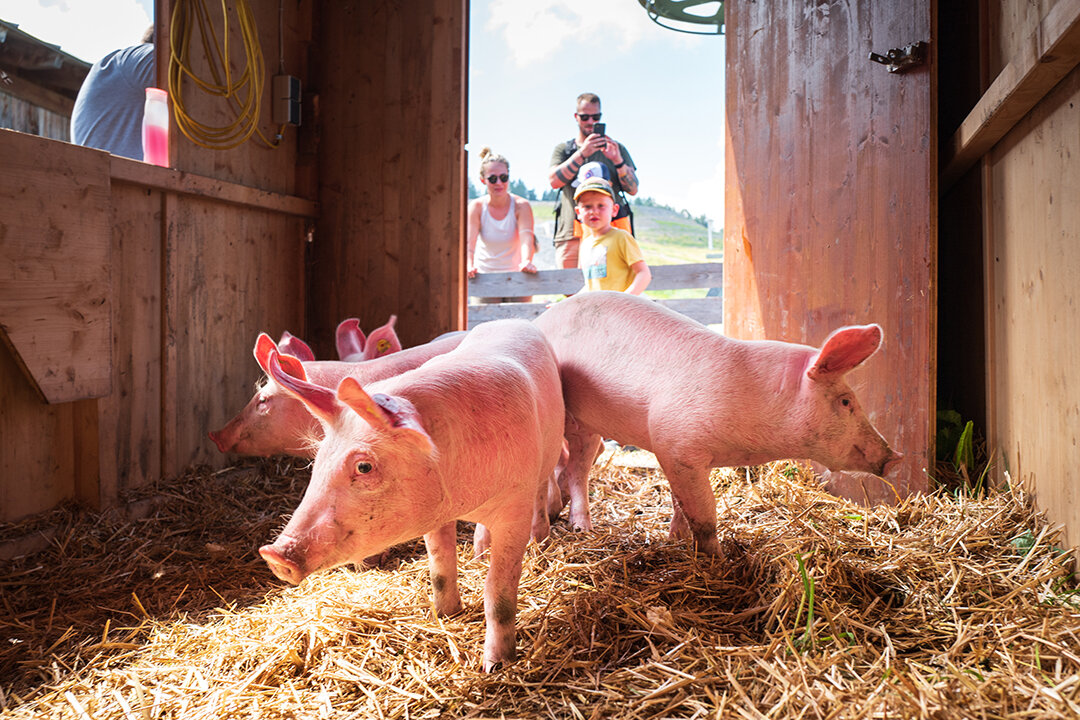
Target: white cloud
{"points": [[538, 30], [87, 30]]}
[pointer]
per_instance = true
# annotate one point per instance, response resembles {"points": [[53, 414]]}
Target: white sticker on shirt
{"points": [[596, 265]]}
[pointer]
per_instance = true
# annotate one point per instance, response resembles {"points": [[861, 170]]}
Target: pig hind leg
{"points": [[508, 542], [541, 522], [583, 446], [558, 494], [442, 566], [693, 505]]}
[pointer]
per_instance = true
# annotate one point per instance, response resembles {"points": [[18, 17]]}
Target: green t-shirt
{"points": [[564, 209]]}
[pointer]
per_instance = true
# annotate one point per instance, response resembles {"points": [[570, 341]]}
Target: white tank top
{"points": [[497, 248]]}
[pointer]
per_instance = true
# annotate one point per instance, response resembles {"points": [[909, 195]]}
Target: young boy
{"points": [[610, 258]]}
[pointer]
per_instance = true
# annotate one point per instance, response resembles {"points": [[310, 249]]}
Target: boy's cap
{"points": [[594, 184]]}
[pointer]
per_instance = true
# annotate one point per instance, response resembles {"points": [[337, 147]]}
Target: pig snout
{"points": [[878, 459], [218, 436], [891, 461], [281, 566]]}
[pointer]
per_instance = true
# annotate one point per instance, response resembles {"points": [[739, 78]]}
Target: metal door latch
{"points": [[901, 59]]}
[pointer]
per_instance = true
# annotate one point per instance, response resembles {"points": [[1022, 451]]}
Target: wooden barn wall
{"points": [[188, 296], [201, 259], [391, 97], [230, 274], [1032, 223], [19, 114], [831, 166]]}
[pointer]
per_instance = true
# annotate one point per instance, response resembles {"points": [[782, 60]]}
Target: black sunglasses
{"points": [[586, 116], [497, 178]]}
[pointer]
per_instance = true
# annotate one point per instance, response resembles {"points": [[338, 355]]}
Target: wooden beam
{"points": [[555, 282], [707, 310], [36, 95], [185, 183], [1049, 54]]}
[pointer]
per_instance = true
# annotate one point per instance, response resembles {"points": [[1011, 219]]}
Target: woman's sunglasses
{"points": [[497, 178], [586, 116]]}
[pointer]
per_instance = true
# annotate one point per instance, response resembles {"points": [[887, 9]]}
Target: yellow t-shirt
{"points": [[605, 260]]}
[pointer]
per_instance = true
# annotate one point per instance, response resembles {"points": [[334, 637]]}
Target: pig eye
{"points": [[363, 467]]}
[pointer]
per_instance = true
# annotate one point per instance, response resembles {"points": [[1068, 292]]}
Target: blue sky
{"points": [[662, 91]]}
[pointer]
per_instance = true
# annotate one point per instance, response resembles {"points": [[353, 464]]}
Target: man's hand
{"points": [[527, 267], [472, 272], [594, 143], [611, 152]]}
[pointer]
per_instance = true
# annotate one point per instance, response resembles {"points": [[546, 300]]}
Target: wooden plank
{"points": [[1048, 54], [517, 284], [830, 199], [37, 453], [126, 170], [708, 311], [87, 456], [568, 281], [392, 86], [55, 292], [129, 420], [1033, 247]]}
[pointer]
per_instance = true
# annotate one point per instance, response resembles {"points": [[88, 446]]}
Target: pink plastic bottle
{"points": [[155, 128]]}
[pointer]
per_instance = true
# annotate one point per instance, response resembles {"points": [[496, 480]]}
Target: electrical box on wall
{"points": [[286, 99]]}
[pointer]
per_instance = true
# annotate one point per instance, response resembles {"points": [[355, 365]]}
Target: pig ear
{"points": [[263, 347], [349, 338], [386, 412], [845, 350], [382, 341], [292, 365], [293, 345], [320, 401]]}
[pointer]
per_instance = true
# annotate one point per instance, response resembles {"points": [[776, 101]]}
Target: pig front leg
{"points": [[693, 505], [583, 447], [442, 566], [508, 542]]}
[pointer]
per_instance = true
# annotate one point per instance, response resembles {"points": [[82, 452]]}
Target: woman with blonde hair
{"points": [[500, 226]]}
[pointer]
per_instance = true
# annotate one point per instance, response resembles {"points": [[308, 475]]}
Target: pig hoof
{"points": [[491, 666], [709, 546], [581, 524]]}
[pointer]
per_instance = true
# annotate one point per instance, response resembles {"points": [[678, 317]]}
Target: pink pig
{"points": [[352, 346], [472, 435], [644, 375], [274, 422]]}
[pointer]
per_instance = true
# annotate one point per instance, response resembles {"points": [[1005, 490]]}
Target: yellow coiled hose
{"points": [[243, 93]]}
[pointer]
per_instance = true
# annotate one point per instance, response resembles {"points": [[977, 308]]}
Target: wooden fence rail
{"points": [[707, 310]]}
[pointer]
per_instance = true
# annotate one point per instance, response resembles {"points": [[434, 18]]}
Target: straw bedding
{"points": [[944, 606]]}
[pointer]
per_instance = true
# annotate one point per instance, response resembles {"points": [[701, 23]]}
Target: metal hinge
{"points": [[901, 59]]}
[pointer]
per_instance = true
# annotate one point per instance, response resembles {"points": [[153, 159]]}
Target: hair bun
{"points": [[484, 153]]}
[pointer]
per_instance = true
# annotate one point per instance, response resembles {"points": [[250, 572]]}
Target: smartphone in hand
{"points": [[600, 129]]}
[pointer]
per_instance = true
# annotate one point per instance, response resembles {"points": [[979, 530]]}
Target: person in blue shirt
{"points": [[108, 111]]}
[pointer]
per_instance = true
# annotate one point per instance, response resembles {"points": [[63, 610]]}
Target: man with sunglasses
{"points": [[568, 158]]}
